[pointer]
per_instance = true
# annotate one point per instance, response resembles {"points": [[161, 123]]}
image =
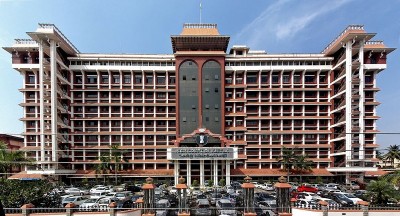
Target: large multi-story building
{"points": [[200, 112]]}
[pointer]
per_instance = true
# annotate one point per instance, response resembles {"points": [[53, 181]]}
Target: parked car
{"points": [[230, 189], [342, 199], [307, 188], [126, 195], [294, 185], [331, 186], [105, 202], [102, 189], [329, 201], [162, 207], [203, 208], [307, 196], [225, 207], [214, 197], [352, 186], [76, 191], [360, 194], [173, 190], [268, 209], [77, 200], [352, 197], [268, 187], [306, 203], [124, 204], [95, 187], [98, 195], [90, 205]]}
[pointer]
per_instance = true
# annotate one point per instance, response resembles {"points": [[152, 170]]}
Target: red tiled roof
{"points": [[24, 175], [379, 172]]}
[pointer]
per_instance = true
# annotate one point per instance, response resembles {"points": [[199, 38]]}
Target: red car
{"points": [[307, 188]]}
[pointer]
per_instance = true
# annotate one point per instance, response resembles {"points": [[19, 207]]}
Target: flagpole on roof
{"points": [[200, 12]]}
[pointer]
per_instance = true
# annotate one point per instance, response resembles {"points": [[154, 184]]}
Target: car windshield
{"points": [[201, 196], [341, 196], [161, 205], [226, 205], [104, 201], [216, 195], [350, 196], [91, 201], [204, 206], [120, 195], [70, 199]]}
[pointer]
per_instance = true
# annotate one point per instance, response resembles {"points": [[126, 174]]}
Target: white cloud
{"points": [[284, 19]]}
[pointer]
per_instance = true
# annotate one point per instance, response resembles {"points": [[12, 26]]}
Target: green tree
{"points": [[393, 178], [380, 191], [195, 183], [222, 182], [286, 160], [11, 159], [301, 164], [393, 153], [117, 159], [103, 168]]}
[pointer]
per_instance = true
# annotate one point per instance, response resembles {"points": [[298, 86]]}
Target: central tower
{"points": [[200, 61]]}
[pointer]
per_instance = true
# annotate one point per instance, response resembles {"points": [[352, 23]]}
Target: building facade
{"points": [[200, 112]]}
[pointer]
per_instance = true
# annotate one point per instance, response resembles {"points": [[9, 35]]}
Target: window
{"points": [[216, 119], [78, 79], [91, 79], [104, 78], [251, 79], [286, 79], [275, 78], [127, 79], [31, 79], [207, 106], [296, 79], [193, 119], [216, 77], [184, 77], [216, 106], [184, 119], [207, 77], [193, 107], [160, 79], [309, 78], [116, 79], [216, 90], [207, 119], [171, 80], [264, 78], [138, 78], [206, 89], [149, 79]]}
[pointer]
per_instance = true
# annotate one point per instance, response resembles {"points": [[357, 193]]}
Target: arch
{"points": [[188, 96], [211, 96]]}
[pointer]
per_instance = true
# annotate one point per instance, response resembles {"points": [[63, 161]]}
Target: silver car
{"points": [[203, 208], [225, 207]]}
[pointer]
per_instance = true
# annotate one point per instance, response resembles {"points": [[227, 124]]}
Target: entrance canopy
{"points": [[202, 153]]}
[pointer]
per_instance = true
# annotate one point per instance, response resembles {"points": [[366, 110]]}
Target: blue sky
{"points": [[125, 26]]}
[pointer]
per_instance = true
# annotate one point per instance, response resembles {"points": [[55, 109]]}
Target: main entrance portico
{"points": [[198, 159]]}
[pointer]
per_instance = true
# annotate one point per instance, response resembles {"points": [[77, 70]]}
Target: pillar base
{"points": [[249, 214], [285, 214], [184, 214], [149, 214]]}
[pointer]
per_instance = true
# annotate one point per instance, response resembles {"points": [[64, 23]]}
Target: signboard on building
{"points": [[202, 153]]}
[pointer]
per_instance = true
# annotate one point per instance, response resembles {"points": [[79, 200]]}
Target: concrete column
{"points": [[202, 173], [348, 93], [113, 211], [69, 209], [54, 131], [188, 173], [215, 173], [364, 207], [176, 172], [41, 98], [228, 172], [26, 209]]}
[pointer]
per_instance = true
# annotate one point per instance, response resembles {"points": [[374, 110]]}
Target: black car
{"points": [[133, 188], [127, 204], [342, 199]]}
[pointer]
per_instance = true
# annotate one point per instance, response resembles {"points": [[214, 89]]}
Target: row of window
{"points": [[126, 79], [122, 63], [275, 63]]}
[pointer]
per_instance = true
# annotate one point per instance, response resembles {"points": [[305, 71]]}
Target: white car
{"points": [[105, 202], [102, 189], [77, 200], [268, 187], [90, 205], [76, 191], [230, 189], [173, 190], [98, 195], [307, 196]]}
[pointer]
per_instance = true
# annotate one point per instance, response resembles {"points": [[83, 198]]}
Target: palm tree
{"points": [[11, 159], [302, 164], [393, 178], [380, 191], [381, 157], [117, 157], [103, 167], [393, 153], [287, 159]]}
